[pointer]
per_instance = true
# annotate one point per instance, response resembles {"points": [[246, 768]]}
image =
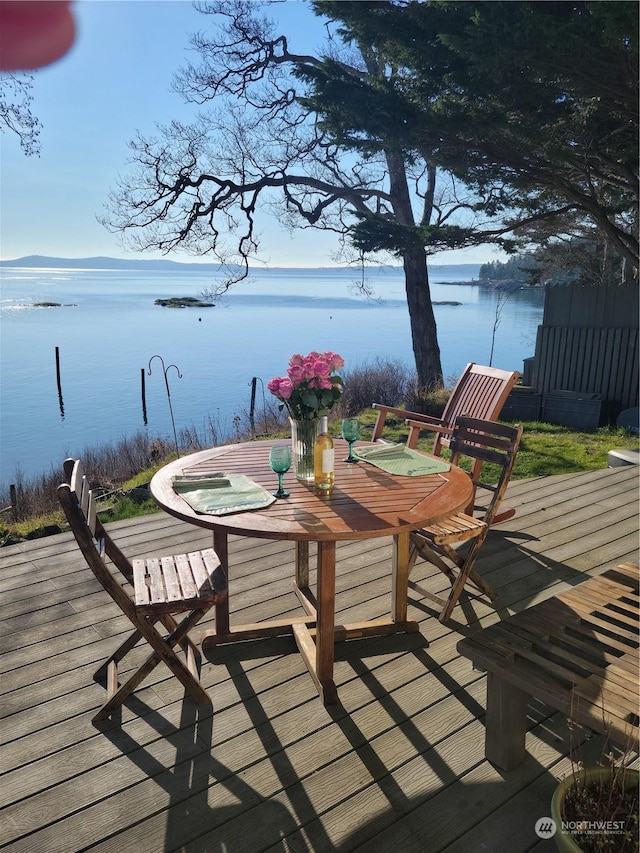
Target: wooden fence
{"points": [[585, 367], [590, 360], [584, 306]]}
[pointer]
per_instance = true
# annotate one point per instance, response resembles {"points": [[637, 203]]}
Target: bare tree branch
{"points": [[15, 110]]}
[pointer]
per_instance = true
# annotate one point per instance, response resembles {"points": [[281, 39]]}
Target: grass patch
{"points": [[545, 449], [126, 507]]}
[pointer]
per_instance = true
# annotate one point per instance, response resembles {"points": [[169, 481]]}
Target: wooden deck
{"points": [[398, 766]]}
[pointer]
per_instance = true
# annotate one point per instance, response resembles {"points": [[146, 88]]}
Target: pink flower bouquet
{"points": [[311, 388]]}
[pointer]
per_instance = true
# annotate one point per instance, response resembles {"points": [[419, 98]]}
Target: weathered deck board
{"points": [[399, 764]]}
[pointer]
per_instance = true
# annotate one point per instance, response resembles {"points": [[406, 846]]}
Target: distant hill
{"points": [[464, 271], [102, 263]]}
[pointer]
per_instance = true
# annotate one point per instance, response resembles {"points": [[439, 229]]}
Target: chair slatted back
{"points": [[486, 441], [481, 392], [81, 512], [80, 488]]}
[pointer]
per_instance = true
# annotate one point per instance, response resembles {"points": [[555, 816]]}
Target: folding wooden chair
{"points": [[482, 441], [480, 392], [186, 583]]}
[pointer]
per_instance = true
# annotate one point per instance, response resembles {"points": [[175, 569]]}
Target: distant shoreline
{"points": [[120, 264], [489, 282]]}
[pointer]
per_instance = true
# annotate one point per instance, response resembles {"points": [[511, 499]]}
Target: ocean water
{"points": [[108, 330]]}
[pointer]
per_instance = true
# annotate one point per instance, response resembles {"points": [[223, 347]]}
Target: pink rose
{"points": [[285, 389], [296, 358], [281, 387], [325, 384], [296, 373], [335, 361], [273, 385], [321, 368]]}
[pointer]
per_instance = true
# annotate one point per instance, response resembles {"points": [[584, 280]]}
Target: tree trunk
{"points": [[424, 334]]}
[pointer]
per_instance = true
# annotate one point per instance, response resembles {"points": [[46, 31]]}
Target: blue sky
{"points": [[116, 80]]}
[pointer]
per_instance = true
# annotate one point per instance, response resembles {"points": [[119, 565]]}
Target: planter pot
{"points": [[303, 436], [565, 839]]}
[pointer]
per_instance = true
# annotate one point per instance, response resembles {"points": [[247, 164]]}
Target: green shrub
{"points": [[379, 381]]}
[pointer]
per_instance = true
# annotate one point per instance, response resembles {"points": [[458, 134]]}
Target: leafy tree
{"points": [[574, 255], [500, 95], [516, 268], [15, 110], [579, 254], [263, 142], [534, 103]]}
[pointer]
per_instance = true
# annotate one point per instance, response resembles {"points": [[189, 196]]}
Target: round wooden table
{"points": [[365, 502]]}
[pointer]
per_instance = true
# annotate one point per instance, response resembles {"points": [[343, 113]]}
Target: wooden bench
{"points": [[577, 651]]}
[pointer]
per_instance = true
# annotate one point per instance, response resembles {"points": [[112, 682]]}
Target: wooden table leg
{"points": [[301, 582], [326, 594], [316, 641], [506, 723], [319, 655], [400, 577], [221, 547], [302, 564]]}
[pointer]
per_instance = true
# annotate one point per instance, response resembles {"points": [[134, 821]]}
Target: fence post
{"points": [[14, 501]]}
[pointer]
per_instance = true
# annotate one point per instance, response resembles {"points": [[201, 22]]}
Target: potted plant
{"points": [[596, 810]]}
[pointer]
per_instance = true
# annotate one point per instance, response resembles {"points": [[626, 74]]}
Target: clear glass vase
{"points": [[303, 436]]}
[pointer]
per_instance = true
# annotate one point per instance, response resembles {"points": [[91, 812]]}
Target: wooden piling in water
{"points": [[252, 407], [58, 370], [144, 396], [59, 382]]}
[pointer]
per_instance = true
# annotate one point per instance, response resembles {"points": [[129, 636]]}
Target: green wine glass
{"points": [[280, 461], [351, 433]]}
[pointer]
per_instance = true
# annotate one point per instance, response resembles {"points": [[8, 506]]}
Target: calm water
{"points": [[109, 329]]}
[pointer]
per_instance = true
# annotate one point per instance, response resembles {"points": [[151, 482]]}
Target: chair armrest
{"points": [[425, 422], [383, 411]]}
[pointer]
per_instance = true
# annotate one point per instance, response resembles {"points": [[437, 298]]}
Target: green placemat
{"points": [[400, 459], [221, 494]]}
